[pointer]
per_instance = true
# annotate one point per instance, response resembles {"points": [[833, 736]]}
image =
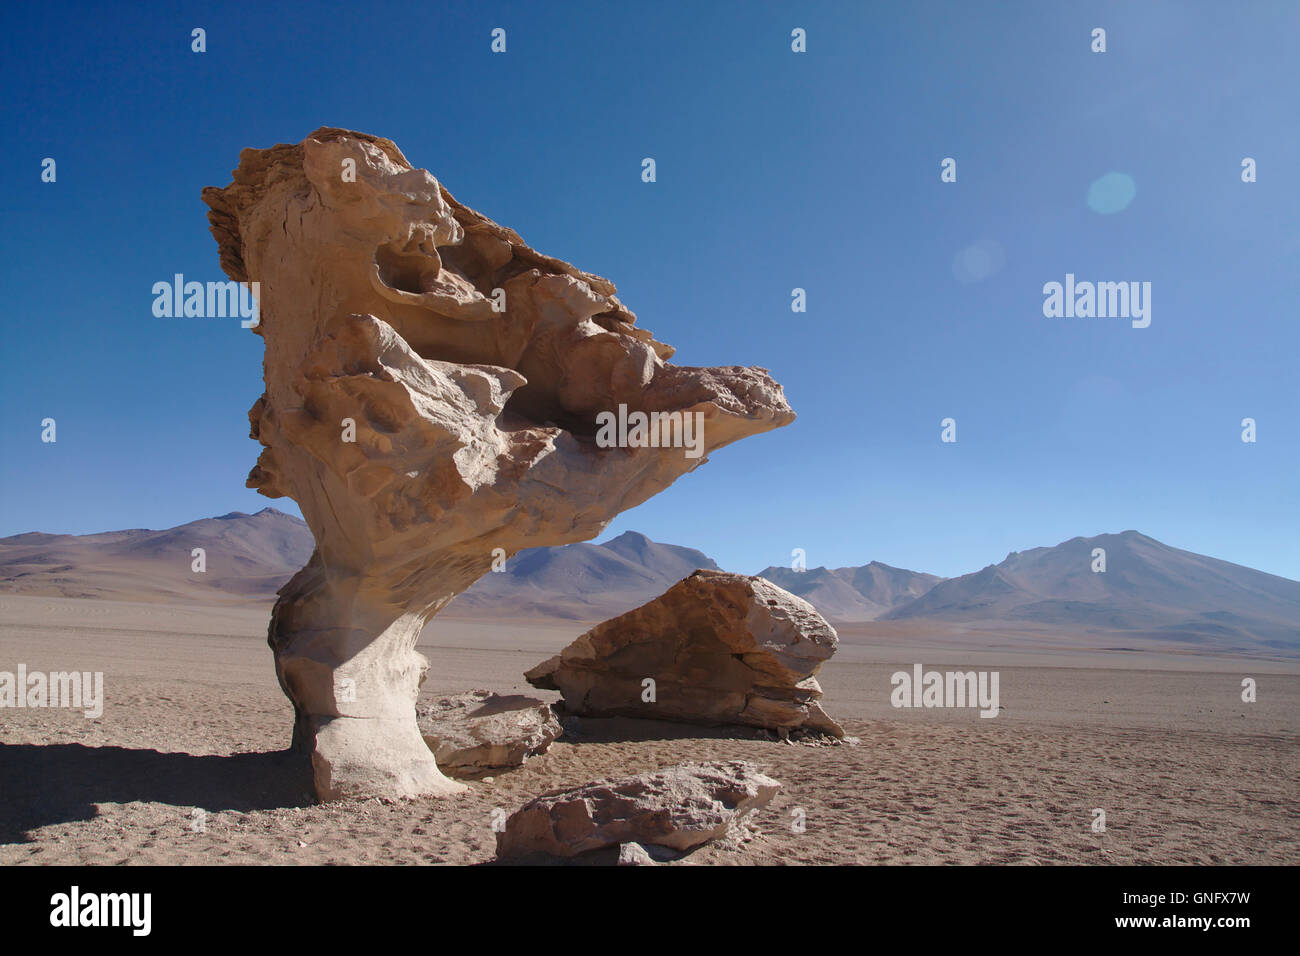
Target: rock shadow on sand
{"points": [[605, 730], [63, 783]]}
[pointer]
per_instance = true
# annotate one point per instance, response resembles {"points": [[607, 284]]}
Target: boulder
{"points": [[438, 397], [480, 731], [634, 854], [721, 649], [679, 808]]}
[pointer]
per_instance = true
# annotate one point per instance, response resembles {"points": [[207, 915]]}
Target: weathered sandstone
{"points": [[679, 808], [720, 648], [422, 431], [479, 731]]}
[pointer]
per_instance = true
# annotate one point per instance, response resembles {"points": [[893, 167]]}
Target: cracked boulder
{"points": [[481, 731], [678, 808], [715, 648]]}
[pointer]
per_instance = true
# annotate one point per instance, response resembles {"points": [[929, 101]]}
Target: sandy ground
{"points": [[184, 766]]}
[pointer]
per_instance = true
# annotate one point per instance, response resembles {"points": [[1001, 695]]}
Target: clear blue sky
{"points": [[775, 170]]}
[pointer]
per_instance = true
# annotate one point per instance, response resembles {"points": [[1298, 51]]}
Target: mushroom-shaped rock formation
{"points": [[433, 394], [721, 649]]}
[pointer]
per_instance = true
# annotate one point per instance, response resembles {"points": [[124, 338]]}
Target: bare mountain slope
{"points": [[853, 594], [585, 581], [1147, 587], [246, 556]]}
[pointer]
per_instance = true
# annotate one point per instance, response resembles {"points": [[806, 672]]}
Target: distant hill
{"points": [[1148, 588], [585, 581], [853, 594], [247, 556]]}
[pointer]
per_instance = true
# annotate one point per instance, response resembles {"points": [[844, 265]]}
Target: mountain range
{"points": [[1147, 588], [246, 556]]}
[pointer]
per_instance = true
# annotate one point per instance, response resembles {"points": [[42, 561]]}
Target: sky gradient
{"points": [[775, 170]]}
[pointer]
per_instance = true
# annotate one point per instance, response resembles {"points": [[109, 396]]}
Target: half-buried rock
{"points": [[679, 808], [720, 649], [480, 731]]}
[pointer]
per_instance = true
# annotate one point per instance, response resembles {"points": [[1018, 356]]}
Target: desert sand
{"points": [[184, 766]]}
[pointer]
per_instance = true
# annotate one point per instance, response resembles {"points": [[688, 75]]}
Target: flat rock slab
{"points": [[479, 731], [720, 649], [679, 808]]}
